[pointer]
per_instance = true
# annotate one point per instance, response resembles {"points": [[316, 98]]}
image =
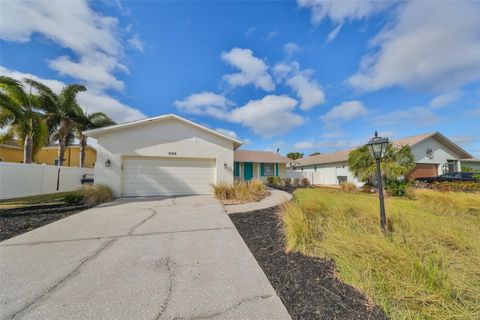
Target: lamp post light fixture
{"points": [[378, 146]]}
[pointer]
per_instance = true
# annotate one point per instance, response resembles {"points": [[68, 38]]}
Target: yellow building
{"points": [[49, 155]]}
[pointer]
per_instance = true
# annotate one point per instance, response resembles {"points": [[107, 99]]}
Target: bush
{"points": [[96, 194], [305, 182], [254, 190], [457, 186], [74, 198], [367, 187], [396, 188], [270, 180], [288, 182], [348, 187]]}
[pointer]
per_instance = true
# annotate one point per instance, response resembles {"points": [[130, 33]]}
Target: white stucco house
{"points": [[164, 155], [434, 154]]}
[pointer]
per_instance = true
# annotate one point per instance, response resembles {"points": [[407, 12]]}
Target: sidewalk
{"points": [[276, 197]]}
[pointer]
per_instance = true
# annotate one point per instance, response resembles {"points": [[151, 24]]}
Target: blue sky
{"points": [[300, 76]]}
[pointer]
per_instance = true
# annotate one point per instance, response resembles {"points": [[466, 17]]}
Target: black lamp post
{"points": [[378, 147]]}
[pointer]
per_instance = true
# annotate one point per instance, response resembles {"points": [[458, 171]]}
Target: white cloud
{"points": [[136, 43], [305, 145], [252, 69], [269, 116], [346, 111], [92, 100], [421, 116], [227, 132], [283, 69], [433, 46], [340, 12], [94, 39], [475, 112], [250, 31], [307, 89], [445, 99], [290, 48], [271, 35], [205, 103]]}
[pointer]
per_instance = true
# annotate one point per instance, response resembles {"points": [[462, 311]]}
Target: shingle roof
{"points": [[342, 156], [260, 156]]}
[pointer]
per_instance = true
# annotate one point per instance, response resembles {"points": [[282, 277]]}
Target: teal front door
{"points": [[247, 171]]}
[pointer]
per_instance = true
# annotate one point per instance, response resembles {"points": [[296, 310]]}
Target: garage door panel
{"points": [[149, 177]]}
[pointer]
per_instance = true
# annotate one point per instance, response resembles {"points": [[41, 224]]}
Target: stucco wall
{"points": [[327, 173], [72, 156], [160, 139], [441, 153], [11, 154]]}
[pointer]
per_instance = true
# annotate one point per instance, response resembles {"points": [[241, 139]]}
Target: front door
{"points": [[247, 171]]}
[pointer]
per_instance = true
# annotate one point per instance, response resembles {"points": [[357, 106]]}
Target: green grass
{"points": [[27, 201], [427, 268]]}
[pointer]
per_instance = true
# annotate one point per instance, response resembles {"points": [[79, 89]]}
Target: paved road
{"points": [[151, 258]]}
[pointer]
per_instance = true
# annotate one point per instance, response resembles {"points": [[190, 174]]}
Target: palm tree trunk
{"points": [[61, 151], [28, 149], [83, 147]]}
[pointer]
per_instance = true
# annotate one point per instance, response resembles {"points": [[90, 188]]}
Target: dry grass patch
{"points": [[240, 191], [428, 268], [96, 194]]}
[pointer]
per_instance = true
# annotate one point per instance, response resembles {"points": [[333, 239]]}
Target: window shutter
{"points": [[237, 169], [262, 170], [276, 169]]}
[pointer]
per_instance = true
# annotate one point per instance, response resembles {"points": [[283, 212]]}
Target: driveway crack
{"points": [[61, 281], [132, 230], [170, 266], [223, 312]]}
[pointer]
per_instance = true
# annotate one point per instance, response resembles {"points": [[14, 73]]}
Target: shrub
{"points": [[254, 190], [450, 186], [295, 182], [305, 182], [288, 182], [96, 194], [74, 198], [270, 180], [396, 188], [348, 187], [367, 187]]}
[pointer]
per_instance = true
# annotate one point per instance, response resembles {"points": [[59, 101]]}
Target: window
{"points": [[268, 170], [1, 159], [452, 165], [55, 162], [236, 169]]}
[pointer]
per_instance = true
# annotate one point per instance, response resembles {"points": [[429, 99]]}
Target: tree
{"points": [[60, 111], [397, 162], [84, 121], [315, 154], [19, 113], [295, 155]]}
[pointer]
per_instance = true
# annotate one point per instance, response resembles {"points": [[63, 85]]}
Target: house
{"points": [[434, 154], [164, 155], [11, 152], [250, 165], [472, 163]]}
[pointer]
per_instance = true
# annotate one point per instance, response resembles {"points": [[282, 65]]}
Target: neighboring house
{"points": [[473, 163], [259, 165], [164, 155], [49, 155], [434, 154]]}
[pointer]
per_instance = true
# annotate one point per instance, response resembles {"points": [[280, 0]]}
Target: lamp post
{"points": [[378, 146]]}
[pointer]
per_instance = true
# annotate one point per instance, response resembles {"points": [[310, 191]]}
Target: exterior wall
{"points": [[327, 173], [11, 154], [23, 180], [474, 165], [48, 155], [282, 167], [440, 154], [169, 139]]}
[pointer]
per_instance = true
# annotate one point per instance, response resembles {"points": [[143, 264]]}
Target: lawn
{"points": [[34, 200], [427, 268]]}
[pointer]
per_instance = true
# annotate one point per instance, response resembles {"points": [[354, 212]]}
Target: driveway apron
{"points": [[139, 258]]}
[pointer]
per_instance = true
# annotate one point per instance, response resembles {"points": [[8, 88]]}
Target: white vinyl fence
{"points": [[313, 177], [23, 180]]}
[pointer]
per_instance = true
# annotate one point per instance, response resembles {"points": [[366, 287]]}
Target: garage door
{"points": [[161, 176], [423, 170]]}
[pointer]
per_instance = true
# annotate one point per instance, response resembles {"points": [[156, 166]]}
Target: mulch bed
{"points": [[307, 286], [20, 220]]}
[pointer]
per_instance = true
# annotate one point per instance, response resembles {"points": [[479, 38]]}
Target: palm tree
{"points": [[60, 112], [397, 162], [84, 121], [19, 113]]}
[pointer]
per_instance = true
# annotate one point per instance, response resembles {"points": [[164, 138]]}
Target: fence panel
{"points": [[23, 180]]}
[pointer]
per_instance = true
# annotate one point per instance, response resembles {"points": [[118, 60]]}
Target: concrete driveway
{"points": [[151, 258]]}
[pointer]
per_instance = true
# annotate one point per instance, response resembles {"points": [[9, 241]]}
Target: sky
{"points": [[307, 75]]}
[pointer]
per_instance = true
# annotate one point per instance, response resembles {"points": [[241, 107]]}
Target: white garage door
{"points": [[157, 176]]}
